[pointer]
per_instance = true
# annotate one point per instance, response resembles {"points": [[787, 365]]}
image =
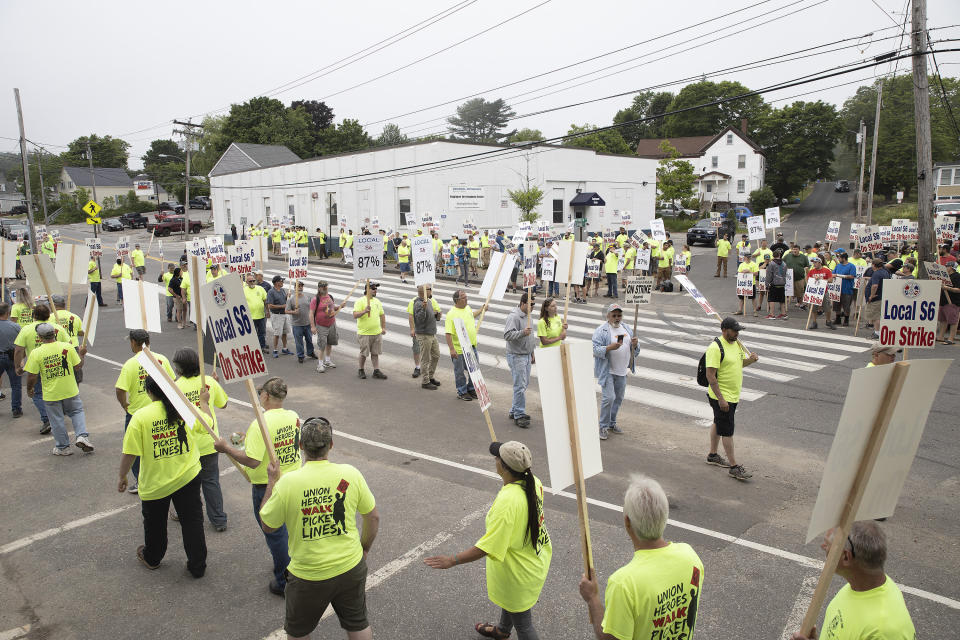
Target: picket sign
{"points": [[657, 231], [788, 291], [937, 271], [574, 256], [813, 295], [643, 260], [495, 286], [679, 263], [745, 283], [833, 231], [833, 290], [91, 316], [476, 376], [772, 216], [755, 228]]}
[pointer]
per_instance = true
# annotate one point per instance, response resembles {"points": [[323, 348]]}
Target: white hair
{"points": [[645, 503]]}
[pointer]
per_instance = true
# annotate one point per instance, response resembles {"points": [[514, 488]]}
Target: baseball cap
{"points": [[732, 324], [275, 387], [614, 307], [277, 279], [316, 433], [815, 259], [884, 349], [514, 454], [374, 285], [46, 330]]}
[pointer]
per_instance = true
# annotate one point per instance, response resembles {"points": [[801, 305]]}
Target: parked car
{"points": [[672, 210], [133, 220], [946, 207], [740, 213], [7, 223], [842, 186], [172, 224], [171, 206], [112, 224], [18, 210], [19, 229], [200, 202], [703, 232]]}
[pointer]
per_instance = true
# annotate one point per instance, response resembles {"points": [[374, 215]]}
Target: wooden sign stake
{"points": [[150, 247], [529, 307], [69, 282], [3, 270], [809, 314], [493, 285], [855, 496], [566, 301], [493, 436], [88, 318], [257, 409], [196, 314]]}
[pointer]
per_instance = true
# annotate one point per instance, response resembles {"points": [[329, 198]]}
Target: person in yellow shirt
{"points": [[485, 249], [283, 430], [747, 266], [516, 544], [633, 605], [462, 311], [857, 259], [136, 257], [318, 504], [474, 246], [23, 345], [349, 241], [276, 238], [743, 248], [22, 311], [403, 258], [187, 366], [165, 278], [53, 363], [610, 262], [93, 276], [213, 273], [371, 325], [170, 472], [551, 329], [665, 263], [120, 272], [723, 255], [622, 238], [256, 297], [629, 263], [870, 605], [320, 242], [47, 247], [71, 322]]}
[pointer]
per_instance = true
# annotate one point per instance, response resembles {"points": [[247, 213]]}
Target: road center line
{"points": [[795, 619]]}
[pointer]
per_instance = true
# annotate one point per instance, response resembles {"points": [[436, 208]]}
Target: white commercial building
{"points": [[455, 182]]}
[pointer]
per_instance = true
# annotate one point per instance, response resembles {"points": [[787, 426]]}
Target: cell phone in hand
{"points": [[620, 338]]}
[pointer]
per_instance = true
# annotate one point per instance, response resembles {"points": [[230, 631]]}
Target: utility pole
{"points": [[873, 161], [921, 113], [26, 172], [93, 180], [43, 194], [188, 133], [863, 157]]}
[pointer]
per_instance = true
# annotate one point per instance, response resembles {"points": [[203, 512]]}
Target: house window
{"points": [[405, 212], [945, 176], [741, 186], [69, 185], [332, 208], [742, 161], [956, 176], [714, 161], [558, 212], [709, 187], [729, 138]]}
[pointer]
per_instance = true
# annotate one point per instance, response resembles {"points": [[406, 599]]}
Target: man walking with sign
{"points": [[423, 313], [465, 390], [611, 359], [725, 359], [521, 343]]}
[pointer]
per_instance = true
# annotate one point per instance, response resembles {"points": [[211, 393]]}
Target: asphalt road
{"points": [[67, 538]]}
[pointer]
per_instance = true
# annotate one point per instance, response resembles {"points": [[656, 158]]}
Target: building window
{"points": [[956, 176], [709, 187], [742, 161], [741, 186], [405, 217], [945, 176], [558, 212], [70, 185], [729, 138], [226, 204], [714, 161], [332, 208]]}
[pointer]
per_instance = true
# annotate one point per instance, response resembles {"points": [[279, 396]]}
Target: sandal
{"points": [[490, 630], [948, 342]]}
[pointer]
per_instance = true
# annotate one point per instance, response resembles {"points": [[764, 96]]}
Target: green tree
{"points": [[527, 199], [762, 199], [51, 166], [266, 121], [798, 141], [390, 136], [708, 121], [606, 141], [646, 104], [675, 177], [343, 138], [321, 116], [526, 135], [107, 152], [479, 120], [162, 151]]}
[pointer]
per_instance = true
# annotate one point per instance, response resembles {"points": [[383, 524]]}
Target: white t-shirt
{"points": [[619, 358]]}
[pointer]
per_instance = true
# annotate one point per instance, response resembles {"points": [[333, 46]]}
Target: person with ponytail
{"points": [[169, 472], [516, 545], [551, 329]]}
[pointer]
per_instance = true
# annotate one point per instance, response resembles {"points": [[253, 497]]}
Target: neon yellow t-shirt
{"points": [[553, 331], [95, 276], [54, 363], [666, 258], [277, 236], [877, 613], [729, 372], [751, 267], [765, 255], [657, 592], [369, 324], [29, 340], [723, 248], [168, 453], [349, 243], [630, 257], [21, 313], [474, 246], [256, 299], [211, 277], [465, 314], [72, 324], [319, 503], [218, 399], [516, 568], [484, 242], [687, 258], [185, 284], [403, 253], [121, 272], [136, 256], [47, 248], [166, 282], [859, 262], [131, 380], [622, 240], [283, 428], [610, 262]]}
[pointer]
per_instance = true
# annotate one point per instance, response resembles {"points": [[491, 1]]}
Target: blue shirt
{"points": [[846, 286], [877, 279], [499, 240]]}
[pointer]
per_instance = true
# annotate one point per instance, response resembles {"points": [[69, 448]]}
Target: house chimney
{"points": [[743, 126]]}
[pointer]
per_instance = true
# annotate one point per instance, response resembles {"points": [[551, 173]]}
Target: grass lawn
{"points": [[884, 213]]}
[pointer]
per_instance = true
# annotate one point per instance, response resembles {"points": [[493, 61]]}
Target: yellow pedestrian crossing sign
{"points": [[92, 209]]}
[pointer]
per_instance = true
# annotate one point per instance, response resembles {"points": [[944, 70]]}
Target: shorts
{"points": [[798, 288], [141, 270], [327, 336], [723, 419], [404, 267], [663, 273], [416, 345], [949, 313], [752, 294], [280, 322], [370, 345], [776, 293], [306, 600]]}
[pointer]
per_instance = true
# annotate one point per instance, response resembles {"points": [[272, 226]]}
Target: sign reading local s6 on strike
{"points": [[816, 289], [95, 246], [833, 231], [368, 256], [297, 263], [240, 258], [908, 313], [231, 329], [215, 251]]}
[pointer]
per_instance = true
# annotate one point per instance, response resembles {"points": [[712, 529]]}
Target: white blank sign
{"points": [[579, 250], [132, 318], [39, 264], [78, 256], [500, 287]]}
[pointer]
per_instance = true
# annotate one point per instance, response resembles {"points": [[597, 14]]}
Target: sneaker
{"points": [[616, 429], [473, 394], [45, 427], [84, 444], [379, 375], [813, 326], [18, 413], [739, 473], [770, 316], [464, 396], [312, 356], [320, 367], [275, 354], [329, 364], [603, 433], [62, 452], [428, 386], [434, 382], [275, 588], [219, 528], [300, 359], [143, 561], [416, 372], [133, 488], [522, 421], [830, 326], [361, 374], [781, 316], [718, 460], [286, 352]]}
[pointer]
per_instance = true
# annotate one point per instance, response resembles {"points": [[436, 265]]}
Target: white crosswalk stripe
{"points": [[671, 344]]}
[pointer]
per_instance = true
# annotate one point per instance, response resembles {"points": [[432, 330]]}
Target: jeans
{"points": [[170, 308], [210, 482], [95, 287], [460, 375], [16, 387], [186, 501], [260, 324], [522, 621], [276, 541], [553, 289], [38, 401], [303, 339], [119, 292], [136, 461], [612, 388], [612, 285], [464, 273], [520, 371], [72, 407]]}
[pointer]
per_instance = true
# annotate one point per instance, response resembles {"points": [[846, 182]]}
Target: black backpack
{"points": [[702, 365]]}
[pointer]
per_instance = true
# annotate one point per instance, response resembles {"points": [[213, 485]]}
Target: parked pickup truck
{"points": [[134, 220], [172, 224]]}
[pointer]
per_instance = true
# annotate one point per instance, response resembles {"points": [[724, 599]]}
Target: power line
{"points": [[885, 12], [943, 91]]}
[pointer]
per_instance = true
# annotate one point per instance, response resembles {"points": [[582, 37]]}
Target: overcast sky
{"points": [[119, 67]]}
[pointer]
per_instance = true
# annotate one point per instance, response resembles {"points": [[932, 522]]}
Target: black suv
{"points": [[703, 232], [134, 220], [842, 186]]}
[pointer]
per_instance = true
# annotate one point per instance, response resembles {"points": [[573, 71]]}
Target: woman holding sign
{"points": [[516, 545], [550, 329]]}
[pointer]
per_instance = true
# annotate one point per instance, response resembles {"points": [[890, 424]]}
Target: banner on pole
{"points": [[814, 292], [297, 263], [228, 323], [639, 290], [473, 367], [908, 313]]}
